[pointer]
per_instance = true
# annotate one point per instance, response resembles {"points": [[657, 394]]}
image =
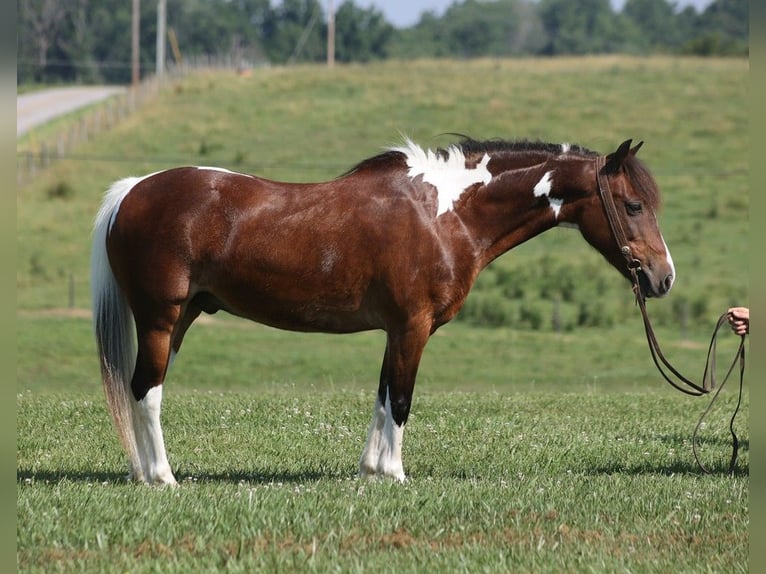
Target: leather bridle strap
{"points": [[634, 267], [611, 213], [708, 377]]}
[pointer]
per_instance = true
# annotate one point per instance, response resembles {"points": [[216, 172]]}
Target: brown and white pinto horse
{"points": [[394, 244]]}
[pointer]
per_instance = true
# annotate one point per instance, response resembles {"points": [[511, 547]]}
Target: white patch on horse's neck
{"points": [[556, 204], [448, 175], [565, 147], [543, 189]]}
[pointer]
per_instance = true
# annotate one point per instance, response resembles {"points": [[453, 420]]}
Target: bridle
{"points": [[680, 382]]}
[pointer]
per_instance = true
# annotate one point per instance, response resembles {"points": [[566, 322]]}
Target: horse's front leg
{"points": [[382, 455]]}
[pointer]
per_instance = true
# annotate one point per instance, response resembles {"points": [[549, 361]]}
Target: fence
{"points": [[38, 155]]}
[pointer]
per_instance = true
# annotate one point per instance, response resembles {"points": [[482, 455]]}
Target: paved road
{"points": [[36, 108]]}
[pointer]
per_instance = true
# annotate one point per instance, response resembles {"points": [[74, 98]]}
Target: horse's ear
{"points": [[615, 159], [635, 148]]}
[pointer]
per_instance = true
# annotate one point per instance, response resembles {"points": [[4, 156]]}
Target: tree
{"points": [[361, 35], [471, 29], [232, 29], [295, 30], [657, 23], [41, 22], [90, 40], [585, 27], [723, 29], [76, 43]]}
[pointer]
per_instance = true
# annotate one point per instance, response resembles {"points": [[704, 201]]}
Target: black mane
{"points": [[636, 170], [469, 145]]}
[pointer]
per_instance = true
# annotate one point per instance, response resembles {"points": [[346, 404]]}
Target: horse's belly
{"points": [[299, 307]]}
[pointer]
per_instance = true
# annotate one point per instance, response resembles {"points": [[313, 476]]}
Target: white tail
{"points": [[113, 325]]}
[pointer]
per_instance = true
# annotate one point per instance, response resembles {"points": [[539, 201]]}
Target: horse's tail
{"points": [[113, 324]]}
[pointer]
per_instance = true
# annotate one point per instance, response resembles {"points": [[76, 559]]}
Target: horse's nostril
{"points": [[668, 282]]}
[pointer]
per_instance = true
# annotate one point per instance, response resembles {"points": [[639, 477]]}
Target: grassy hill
{"points": [[311, 123]]}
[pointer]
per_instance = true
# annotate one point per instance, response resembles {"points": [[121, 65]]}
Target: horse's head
{"points": [[635, 201]]}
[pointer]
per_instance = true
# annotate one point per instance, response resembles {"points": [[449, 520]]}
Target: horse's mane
{"points": [[635, 168], [469, 146]]}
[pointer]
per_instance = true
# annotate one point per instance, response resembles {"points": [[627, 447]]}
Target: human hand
{"points": [[739, 320]]}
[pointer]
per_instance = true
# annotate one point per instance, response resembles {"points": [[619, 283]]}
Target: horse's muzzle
{"points": [[654, 288]]}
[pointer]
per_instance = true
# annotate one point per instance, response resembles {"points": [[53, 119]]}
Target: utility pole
{"points": [[161, 22], [330, 35], [135, 44]]}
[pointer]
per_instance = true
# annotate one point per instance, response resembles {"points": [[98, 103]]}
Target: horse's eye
{"points": [[633, 207]]}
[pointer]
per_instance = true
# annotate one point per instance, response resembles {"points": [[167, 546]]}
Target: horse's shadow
{"points": [[262, 477], [685, 467], [686, 464]]}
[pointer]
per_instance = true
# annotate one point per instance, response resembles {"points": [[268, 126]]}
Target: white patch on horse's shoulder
{"points": [[448, 175], [543, 187], [222, 170]]}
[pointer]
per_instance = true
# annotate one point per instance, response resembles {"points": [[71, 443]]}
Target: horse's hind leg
{"points": [[154, 351]]}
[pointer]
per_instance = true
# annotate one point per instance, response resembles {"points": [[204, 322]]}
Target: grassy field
{"points": [[527, 450], [498, 482]]}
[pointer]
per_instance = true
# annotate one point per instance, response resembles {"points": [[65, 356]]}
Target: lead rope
{"points": [[739, 357], [708, 380], [708, 376]]}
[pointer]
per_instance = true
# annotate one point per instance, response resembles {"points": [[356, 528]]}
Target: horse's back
{"points": [[315, 254]]}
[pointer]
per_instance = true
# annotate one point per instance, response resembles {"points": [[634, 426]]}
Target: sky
{"points": [[405, 13]]}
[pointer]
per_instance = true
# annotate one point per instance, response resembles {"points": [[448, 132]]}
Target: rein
{"points": [[680, 383]]}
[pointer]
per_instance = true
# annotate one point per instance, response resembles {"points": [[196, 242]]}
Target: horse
{"points": [[394, 244]]}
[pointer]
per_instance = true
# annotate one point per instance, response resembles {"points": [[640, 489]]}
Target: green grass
{"points": [[524, 451], [498, 482], [527, 450]]}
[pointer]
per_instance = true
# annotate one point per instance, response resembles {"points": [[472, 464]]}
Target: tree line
{"points": [[90, 40]]}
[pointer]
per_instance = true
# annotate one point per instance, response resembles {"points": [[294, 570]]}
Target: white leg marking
{"points": [[151, 445], [382, 455], [368, 464], [139, 431], [390, 460]]}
